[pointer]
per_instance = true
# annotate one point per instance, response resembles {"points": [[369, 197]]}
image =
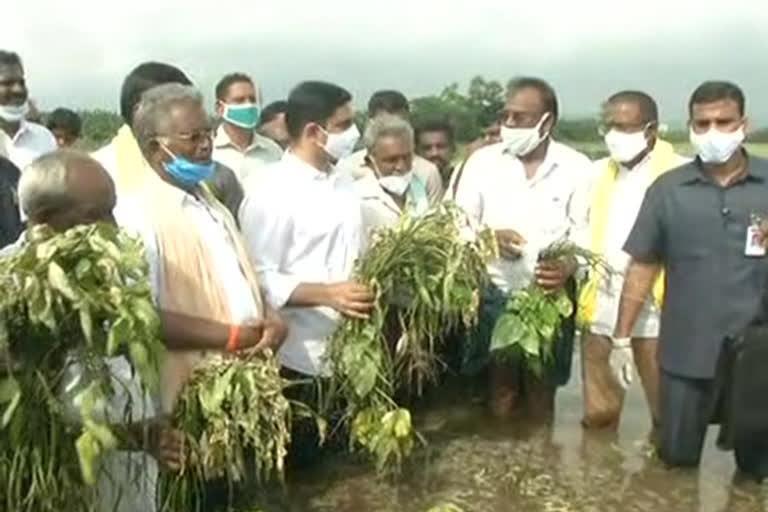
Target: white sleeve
{"points": [[130, 218], [268, 232], [578, 215], [468, 193]]}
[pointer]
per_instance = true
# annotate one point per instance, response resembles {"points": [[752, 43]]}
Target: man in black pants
{"points": [[699, 222]]}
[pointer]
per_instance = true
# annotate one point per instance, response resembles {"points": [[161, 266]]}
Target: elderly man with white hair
{"points": [[64, 189], [237, 144], [206, 290], [391, 188]]}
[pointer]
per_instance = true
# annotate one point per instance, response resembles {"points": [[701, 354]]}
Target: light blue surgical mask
{"points": [[187, 173], [244, 115]]}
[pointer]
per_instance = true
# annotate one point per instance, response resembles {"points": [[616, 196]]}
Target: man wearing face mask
{"points": [[637, 158], [21, 141], [303, 225], [237, 144], [698, 223], [393, 188], [525, 188], [394, 103]]}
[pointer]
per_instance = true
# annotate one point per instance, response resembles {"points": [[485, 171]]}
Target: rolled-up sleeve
{"points": [[267, 231], [646, 240]]}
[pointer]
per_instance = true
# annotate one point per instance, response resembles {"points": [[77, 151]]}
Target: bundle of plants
{"points": [[533, 318], [427, 273], [237, 424], [67, 301]]}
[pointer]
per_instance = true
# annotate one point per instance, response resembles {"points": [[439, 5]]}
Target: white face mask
{"points": [[716, 147], [14, 113], [396, 184], [339, 145], [624, 147], [521, 141]]}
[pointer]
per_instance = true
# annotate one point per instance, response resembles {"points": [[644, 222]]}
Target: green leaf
{"points": [[118, 335], [60, 282], [564, 305], [10, 393], [86, 322], [83, 268]]}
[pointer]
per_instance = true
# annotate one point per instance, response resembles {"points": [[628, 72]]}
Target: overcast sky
{"points": [[77, 52]]}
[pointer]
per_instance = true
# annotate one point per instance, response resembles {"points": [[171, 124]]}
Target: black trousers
{"points": [[688, 407]]}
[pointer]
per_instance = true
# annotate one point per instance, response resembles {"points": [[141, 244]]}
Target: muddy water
{"points": [[475, 464]]}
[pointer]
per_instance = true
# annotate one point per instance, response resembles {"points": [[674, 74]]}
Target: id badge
{"points": [[754, 246]]}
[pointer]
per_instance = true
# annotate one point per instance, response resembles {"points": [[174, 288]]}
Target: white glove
{"points": [[621, 361]]}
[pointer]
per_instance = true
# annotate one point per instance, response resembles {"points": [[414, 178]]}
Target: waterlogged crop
{"points": [[427, 273], [532, 318], [72, 298]]}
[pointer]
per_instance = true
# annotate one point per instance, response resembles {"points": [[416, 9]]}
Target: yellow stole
{"points": [[131, 166], [189, 284], [663, 159]]}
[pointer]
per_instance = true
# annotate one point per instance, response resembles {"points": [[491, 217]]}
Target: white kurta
{"points": [[301, 225], [627, 198], [495, 191]]}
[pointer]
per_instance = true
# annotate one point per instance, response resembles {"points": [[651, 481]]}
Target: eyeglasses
{"points": [[605, 127], [195, 137]]}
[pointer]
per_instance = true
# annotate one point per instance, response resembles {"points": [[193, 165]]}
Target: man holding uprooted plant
{"points": [[637, 158], [701, 224], [65, 189], [302, 223], [525, 188]]}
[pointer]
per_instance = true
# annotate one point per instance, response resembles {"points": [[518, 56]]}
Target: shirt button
{"points": [[725, 212]]}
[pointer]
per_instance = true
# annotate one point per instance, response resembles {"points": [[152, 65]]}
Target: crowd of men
{"points": [[252, 229]]}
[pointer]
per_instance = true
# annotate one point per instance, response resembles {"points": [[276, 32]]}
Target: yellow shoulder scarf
{"points": [[131, 167], [189, 283], [663, 159]]}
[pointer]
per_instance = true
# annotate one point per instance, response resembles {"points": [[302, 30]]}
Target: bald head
{"points": [[66, 188]]}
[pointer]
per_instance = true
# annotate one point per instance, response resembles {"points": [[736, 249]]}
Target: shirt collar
{"points": [[23, 128], [305, 169], [549, 164], [754, 173], [223, 140], [642, 163]]}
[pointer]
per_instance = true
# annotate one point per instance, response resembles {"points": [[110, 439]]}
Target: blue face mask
{"points": [[246, 115], [185, 172]]}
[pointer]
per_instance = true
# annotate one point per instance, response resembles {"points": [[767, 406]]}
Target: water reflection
{"points": [[480, 465]]}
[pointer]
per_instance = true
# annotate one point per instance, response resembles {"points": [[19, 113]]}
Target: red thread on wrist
{"points": [[234, 338]]}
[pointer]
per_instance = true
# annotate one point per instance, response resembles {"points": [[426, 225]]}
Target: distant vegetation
{"points": [[468, 110]]}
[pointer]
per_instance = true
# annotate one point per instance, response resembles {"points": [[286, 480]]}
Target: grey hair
{"points": [[43, 183], [387, 126], [153, 111]]}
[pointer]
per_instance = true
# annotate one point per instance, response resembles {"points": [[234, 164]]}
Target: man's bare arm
{"points": [[637, 286], [184, 332]]}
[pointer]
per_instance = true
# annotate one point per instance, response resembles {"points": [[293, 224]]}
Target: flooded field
{"points": [[476, 464]]}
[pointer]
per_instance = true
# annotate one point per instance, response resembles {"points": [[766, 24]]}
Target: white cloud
{"points": [[77, 52]]}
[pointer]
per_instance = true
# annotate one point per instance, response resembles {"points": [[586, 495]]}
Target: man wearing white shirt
{"points": [[637, 158], [21, 141], [237, 144], [394, 103], [393, 189], [302, 224], [526, 189]]}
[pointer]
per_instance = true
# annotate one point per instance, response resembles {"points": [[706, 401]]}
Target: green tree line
{"points": [[469, 110]]}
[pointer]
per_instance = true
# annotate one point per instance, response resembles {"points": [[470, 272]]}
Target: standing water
{"points": [[476, 464]]}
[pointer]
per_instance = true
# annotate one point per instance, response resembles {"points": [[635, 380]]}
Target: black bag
{"points": [[749, 386]]}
